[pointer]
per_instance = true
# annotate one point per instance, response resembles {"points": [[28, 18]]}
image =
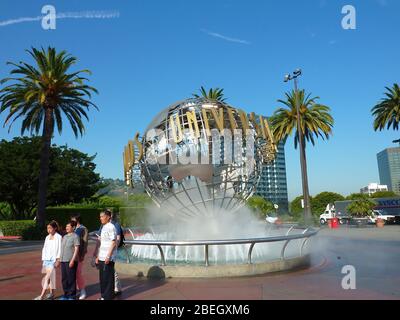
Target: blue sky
{"points": [[154, 53]]}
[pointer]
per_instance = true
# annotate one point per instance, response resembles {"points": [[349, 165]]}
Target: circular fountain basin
{"points": [[286, 249], [212, 271]]}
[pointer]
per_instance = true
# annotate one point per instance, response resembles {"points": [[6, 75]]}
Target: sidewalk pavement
{"points": [[375, 253]]}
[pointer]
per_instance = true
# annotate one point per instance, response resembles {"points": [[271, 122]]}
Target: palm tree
{"points": [[216, 94], [315, 118], [40, 95], [315, 121], [387, 112], [361, 207]]}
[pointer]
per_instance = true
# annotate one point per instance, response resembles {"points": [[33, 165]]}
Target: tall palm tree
{"points": [[41, 95], [315, 121], [387, 112], [216, 94]]}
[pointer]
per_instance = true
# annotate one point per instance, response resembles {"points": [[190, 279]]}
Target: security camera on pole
{"points": [[303, 163]]}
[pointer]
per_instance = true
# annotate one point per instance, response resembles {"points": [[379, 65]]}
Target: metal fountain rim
{"points": [[307, 232]]}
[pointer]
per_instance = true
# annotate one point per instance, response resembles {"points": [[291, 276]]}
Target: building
{"points": [[273, 184], [373, 187], [389, 168]]}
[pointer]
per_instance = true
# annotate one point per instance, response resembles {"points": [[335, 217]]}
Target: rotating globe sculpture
{"points": [[201, 157], [200, 160]]}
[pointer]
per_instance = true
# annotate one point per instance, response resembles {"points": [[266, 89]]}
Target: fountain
{"points": [[200, 160]]}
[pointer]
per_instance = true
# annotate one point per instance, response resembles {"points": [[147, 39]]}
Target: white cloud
{"points": [[220, 36], [66, 15]]}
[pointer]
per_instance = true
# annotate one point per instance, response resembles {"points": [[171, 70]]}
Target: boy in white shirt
{"points": [[106, 256]]}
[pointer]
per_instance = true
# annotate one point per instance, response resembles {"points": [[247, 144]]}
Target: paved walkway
{"points": [[375, 253]]}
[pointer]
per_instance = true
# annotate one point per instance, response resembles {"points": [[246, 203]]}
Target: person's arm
{"points": [[113, 238], [44, 249], [85, 240], [110, 252], [96, 249], [117, 241], [76, 251], [77, 242], [58, 250], [119, 232]]}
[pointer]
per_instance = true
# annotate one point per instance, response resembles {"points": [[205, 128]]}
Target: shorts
{"points": [[48, 263]]}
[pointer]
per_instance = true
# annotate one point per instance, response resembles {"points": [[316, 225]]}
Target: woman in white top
{"points": [[51, 259]]}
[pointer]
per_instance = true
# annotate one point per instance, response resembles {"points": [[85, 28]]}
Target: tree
{"points": [[5, 211], [295, 206], [260, 206], [387, 112], [216, 94], [361, 207], [357, 196], [320, 201], [139, 200], [384, 194], [315, 121], [72, 176], [40, 95]]}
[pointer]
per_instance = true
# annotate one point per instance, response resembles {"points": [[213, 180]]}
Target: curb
{"points": [[10, 237]]}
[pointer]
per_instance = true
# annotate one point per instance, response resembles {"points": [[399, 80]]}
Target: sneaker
{"points": [[38, 298], [117, 293], [70, 298], [63, 298], [49, 296], [100, 299], [82, 296]]}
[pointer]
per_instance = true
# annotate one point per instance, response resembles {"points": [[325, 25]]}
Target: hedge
{"points": [[15, 228], [89, 217], [133, 217], [128, 216]]}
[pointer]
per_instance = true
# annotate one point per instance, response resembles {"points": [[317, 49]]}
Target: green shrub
{"points": [[34, 232], [90, 217], [128, 216], [15, 228], [5, 211], [133, 217], [94, 203]]}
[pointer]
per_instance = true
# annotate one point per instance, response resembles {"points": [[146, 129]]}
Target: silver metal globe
{"points": [[189, 169]]}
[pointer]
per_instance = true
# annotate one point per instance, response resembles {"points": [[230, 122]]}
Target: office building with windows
{"points": [[389, 168], [273, 183]]}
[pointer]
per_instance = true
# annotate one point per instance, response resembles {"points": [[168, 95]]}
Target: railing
{"points": [[305, 234]]}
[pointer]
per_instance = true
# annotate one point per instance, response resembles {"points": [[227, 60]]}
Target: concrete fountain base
{"points": [[212, 271]]}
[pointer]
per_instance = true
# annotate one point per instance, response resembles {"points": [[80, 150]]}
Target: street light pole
{"points": [[303, 162]]}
